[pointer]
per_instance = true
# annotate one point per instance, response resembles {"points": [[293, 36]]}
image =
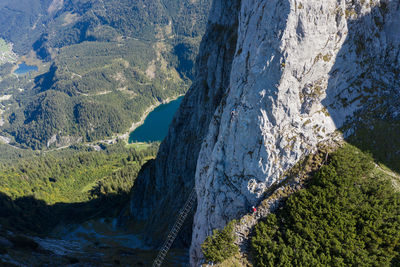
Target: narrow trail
{"points": [[247, 223], [275, 197]]}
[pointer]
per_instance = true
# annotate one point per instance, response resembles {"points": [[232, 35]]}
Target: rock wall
{"points": [[274, 79], [164, 184], [302, 69]]}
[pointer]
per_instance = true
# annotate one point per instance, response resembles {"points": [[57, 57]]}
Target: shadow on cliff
{"points": [[164, 184], [366, 80], [32, 216]]}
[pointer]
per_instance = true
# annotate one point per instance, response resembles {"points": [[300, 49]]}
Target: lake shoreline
{"points": [[29, 59], [23, 68], [135, 125], [122, 136]]}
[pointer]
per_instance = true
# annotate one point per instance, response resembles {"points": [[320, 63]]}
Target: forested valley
{"points": [[102, 64], [76, 184]]}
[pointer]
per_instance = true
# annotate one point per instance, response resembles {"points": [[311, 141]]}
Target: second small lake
{"points": [[23, 68], [156, 124]]}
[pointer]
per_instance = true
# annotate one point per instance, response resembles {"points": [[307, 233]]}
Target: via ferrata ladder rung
{"points": [[175, 229]]}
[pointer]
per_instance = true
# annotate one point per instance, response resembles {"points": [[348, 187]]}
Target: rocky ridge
{"points": [[274, 79], [296, 179], [302, 69]]}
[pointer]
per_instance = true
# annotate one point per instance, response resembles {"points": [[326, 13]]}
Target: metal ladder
{"points": [[175, 229]]}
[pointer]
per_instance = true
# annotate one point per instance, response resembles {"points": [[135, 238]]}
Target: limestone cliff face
{"points": [[164, 184], [300, 70]]}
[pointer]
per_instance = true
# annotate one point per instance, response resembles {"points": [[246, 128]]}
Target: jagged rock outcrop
{"points": [[301, 70]]}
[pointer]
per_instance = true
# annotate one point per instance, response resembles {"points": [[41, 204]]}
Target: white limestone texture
{"points": [[302, 70]]}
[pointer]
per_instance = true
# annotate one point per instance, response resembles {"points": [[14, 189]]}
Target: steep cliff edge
{"points": [[164, 184], [300, 71]]}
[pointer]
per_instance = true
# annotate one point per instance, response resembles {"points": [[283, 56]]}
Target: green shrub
{"points": [[220, 245], [347, 217]]}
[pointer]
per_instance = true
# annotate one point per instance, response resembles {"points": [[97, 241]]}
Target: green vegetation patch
{"points": [[140, 145], [92, 90], [40, 190], [220, 245], [348, 216], [73, 175], [108, 60]]}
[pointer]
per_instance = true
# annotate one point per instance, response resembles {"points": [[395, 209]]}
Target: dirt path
{"points": [[276, 195]]}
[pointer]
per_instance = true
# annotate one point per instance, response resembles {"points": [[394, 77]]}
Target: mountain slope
{"points": [[22, 22], [48, 24], [303, 72], [119, 57]]}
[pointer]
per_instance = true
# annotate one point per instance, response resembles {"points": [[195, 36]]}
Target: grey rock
{"points": [[274, 79], [164, 184], [302, 70]]}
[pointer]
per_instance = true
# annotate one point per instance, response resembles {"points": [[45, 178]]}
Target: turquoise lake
{"points": [[23, 68], [155, 126]]}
